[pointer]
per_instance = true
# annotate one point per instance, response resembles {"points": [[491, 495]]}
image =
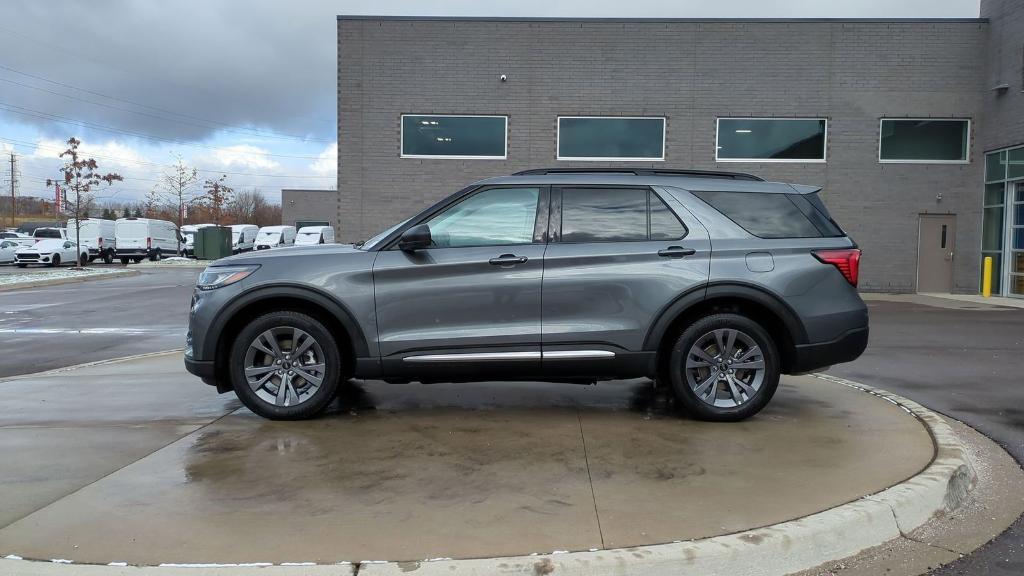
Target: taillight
{"points": [[149, 243], [846, 260], [99, 241]]}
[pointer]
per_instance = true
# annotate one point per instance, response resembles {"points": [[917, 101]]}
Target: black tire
{"points": [[318, 401], [55, 262], [84, 259], [137, 260], [124, 261], [677, 374], [108, 258], [91, 258], [156, 256]]}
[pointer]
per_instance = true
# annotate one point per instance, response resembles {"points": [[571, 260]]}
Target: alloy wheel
{"points": [[284, 366], [725, 368]]}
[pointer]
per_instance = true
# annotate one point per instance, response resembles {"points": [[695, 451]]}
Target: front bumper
{"points": [[846, 348]]}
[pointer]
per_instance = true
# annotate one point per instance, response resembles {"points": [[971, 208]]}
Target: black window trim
{"points": [[543, 205], [555, 219]]}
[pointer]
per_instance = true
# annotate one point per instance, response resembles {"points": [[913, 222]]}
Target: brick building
{"points": [[894, 118]]}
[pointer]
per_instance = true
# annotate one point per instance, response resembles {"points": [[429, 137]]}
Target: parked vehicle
{"points": [[18, 238], [188, 232], [97, 235], [243, 237], [7, 250], [711, 283], [28, 228], [275, 237], [51, 252], [138, 238], [312, 235], [50, 233]]}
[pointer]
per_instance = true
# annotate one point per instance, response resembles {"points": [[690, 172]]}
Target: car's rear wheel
{"points": [[724, 367], [109, 258], [285, 366], [84, 260], [124, 261]]}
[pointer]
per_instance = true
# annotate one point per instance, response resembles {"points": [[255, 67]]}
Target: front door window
{"points": [[494, 217]]}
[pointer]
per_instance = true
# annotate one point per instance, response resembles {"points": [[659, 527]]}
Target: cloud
{"points": [[327, 162], [243, 156]]}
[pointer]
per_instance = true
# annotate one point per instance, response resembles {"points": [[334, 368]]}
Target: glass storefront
{"points": [[1002, 235]]}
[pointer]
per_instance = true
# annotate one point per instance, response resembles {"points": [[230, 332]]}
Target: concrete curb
{"points": [[772, 550], [88, 364], [73, 280]]}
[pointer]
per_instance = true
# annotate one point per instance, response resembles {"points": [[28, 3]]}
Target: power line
{"points": [[31, 145], [67, 120], [232, 127]]}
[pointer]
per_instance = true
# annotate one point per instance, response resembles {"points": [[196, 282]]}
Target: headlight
{"points": [[220, 276]]}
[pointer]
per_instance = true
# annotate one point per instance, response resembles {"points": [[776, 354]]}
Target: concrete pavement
{"points": [[148, 466]]}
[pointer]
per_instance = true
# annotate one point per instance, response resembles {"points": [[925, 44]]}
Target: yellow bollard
{"points": [[986, 277]]}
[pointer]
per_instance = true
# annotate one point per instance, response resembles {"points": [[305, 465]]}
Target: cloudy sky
{"points": [[245, 87]]}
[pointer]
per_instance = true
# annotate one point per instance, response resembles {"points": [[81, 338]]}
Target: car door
{"points": [[618, 257], [471, 303]]}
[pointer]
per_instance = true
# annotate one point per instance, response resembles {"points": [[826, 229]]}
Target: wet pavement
{"points": [[141, 463], [55, 326]]}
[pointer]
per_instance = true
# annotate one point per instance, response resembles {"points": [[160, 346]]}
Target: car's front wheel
{"points": [[724, 367], [285, 366], [55, 261]]}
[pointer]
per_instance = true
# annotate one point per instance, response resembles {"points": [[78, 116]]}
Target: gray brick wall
{"points": [[691, 72], [306, 204], [1003, 124]]}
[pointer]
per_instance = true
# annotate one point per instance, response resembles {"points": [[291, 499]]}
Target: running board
{"points": [[513, 356]]}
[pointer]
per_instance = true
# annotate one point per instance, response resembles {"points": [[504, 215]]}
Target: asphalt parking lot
{"points": [[55, 326], [964, 362]]}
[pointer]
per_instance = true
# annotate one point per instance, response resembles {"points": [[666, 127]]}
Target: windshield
{"points": [[372, 242], [234, 236], [269, 236]]}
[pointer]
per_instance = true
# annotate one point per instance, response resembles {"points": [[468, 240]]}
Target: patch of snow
{"points": [[8, 280]]}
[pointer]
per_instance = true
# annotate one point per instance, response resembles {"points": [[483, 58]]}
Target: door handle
{"points": [[676, 252], [508, 260]]}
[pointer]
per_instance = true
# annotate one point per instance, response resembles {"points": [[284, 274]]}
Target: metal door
{"points": [[935, 252]]}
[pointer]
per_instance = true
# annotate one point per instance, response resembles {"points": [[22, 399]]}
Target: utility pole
{"points": [[14, 180]]}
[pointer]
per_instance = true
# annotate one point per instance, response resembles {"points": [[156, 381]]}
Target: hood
{"points": [[288, 252], [51, 245]]}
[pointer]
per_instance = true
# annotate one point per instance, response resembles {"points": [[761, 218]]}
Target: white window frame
{"points": [[967, 154], [824, 151], [558, 140], [401, 141]]}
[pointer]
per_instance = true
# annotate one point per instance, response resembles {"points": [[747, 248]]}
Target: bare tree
{"points": [[217, 196], [80, 176], [152, 203], [177, 186]]}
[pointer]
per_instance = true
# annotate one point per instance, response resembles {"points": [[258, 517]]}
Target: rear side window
{"points": [[774, 215], [46, 233], [617, 215]]}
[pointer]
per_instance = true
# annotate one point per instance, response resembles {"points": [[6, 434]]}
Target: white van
{"points": [[188, 232], [243, 237], [138, 238], [97, 235], [309, 235], [275, 237]]}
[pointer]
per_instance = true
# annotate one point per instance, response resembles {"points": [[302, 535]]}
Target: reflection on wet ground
{"points": [[407, 472]]}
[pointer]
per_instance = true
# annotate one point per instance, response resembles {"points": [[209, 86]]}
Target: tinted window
{"points": [[664, 224], [472, 136], [46, 233], [490, 218], [604, 214], [771, 139], [627, 138], [924, 140], [763, 215]]}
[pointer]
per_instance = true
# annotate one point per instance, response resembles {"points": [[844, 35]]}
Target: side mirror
{"points": [[415, 238]]}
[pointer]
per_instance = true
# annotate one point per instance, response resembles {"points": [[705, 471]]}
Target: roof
{"points": [[664, 20], [686, 182]]}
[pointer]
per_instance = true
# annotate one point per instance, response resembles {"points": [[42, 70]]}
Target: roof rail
{"points": [[641, 172]]}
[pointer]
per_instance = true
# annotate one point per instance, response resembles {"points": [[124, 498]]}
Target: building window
{"points": [[1002, 223], [771, 140], [924, 140], [447, 136], [611, 138]]}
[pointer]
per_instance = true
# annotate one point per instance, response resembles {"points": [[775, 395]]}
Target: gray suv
{"points": [[713, 283]]}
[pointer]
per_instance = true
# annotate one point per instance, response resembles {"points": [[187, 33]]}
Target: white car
{"points": [[7, 250], [51, 252]]}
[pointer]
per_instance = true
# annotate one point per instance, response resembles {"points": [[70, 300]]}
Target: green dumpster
{"points": [[213, 242]]}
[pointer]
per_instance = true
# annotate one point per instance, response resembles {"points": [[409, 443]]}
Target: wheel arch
{"points": [[757, 303], [304, 299]]}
